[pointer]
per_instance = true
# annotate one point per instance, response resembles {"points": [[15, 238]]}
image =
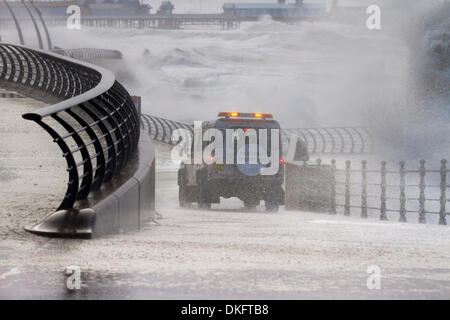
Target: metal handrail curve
{"points": [[161, 129], [86, 54], [96, 124]]}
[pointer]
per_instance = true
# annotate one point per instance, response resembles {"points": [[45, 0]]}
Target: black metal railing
{"points": [[161, 129], [394, 189], [333, 140], [144, 21], [95, 124], [87, 54], [398, 189]]}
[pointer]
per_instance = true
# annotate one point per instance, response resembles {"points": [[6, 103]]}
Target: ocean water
{"points": [[314, 74], [325, 73], [428, 132]]}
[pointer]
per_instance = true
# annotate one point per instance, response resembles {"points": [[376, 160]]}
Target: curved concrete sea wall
{"points": [[97, 127]]}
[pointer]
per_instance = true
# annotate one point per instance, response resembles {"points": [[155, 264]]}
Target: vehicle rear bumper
{"points": [[250, 188]]}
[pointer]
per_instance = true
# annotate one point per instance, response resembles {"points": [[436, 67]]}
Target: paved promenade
{"points": [[32, 170], [189, 253]]}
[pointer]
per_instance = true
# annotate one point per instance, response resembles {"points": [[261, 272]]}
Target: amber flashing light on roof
{"points": [[245, 115]]}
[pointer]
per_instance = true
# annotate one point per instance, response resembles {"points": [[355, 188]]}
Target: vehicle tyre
{"points": [[181, 197], [271, 206], [250, 205], [204, 205]]}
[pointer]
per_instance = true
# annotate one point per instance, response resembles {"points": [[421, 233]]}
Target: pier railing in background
{"points": [[333, 140], [34, 14], [327, 140], [160, 129], [388, 189], [172, 21]]}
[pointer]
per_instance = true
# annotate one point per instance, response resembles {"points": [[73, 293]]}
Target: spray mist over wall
{"points": [[314, 74]]}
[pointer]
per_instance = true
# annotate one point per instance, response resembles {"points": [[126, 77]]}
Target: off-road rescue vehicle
{"points": [[205, 183]]}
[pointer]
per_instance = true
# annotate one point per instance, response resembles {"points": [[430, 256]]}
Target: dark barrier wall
{"points": [[308, 187], [97, 127]]}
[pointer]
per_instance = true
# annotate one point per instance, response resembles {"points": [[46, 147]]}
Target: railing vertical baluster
{"points": [[443, 198], [383, 191], [402, 192], [347, 187], [364, 189], [333, 187], [308, 181], [422, 192], [318, 200], [303, 182]]}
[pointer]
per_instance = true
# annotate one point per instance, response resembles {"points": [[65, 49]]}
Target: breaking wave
{"points": [[312, 74]]}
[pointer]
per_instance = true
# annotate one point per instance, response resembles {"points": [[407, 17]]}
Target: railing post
{"points": [[333, 187], [16, 22], [304, 204], [364, 189], [347, 187], [443, 198], [402, 192], [422, 192], [383, 191], [318, 202]]}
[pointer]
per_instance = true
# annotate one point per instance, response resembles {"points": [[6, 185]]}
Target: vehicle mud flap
{"points": [[204, 201], [182, 196], [274, 193], [273, 198], [281, 197], [182, 176], [182, 187]]}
